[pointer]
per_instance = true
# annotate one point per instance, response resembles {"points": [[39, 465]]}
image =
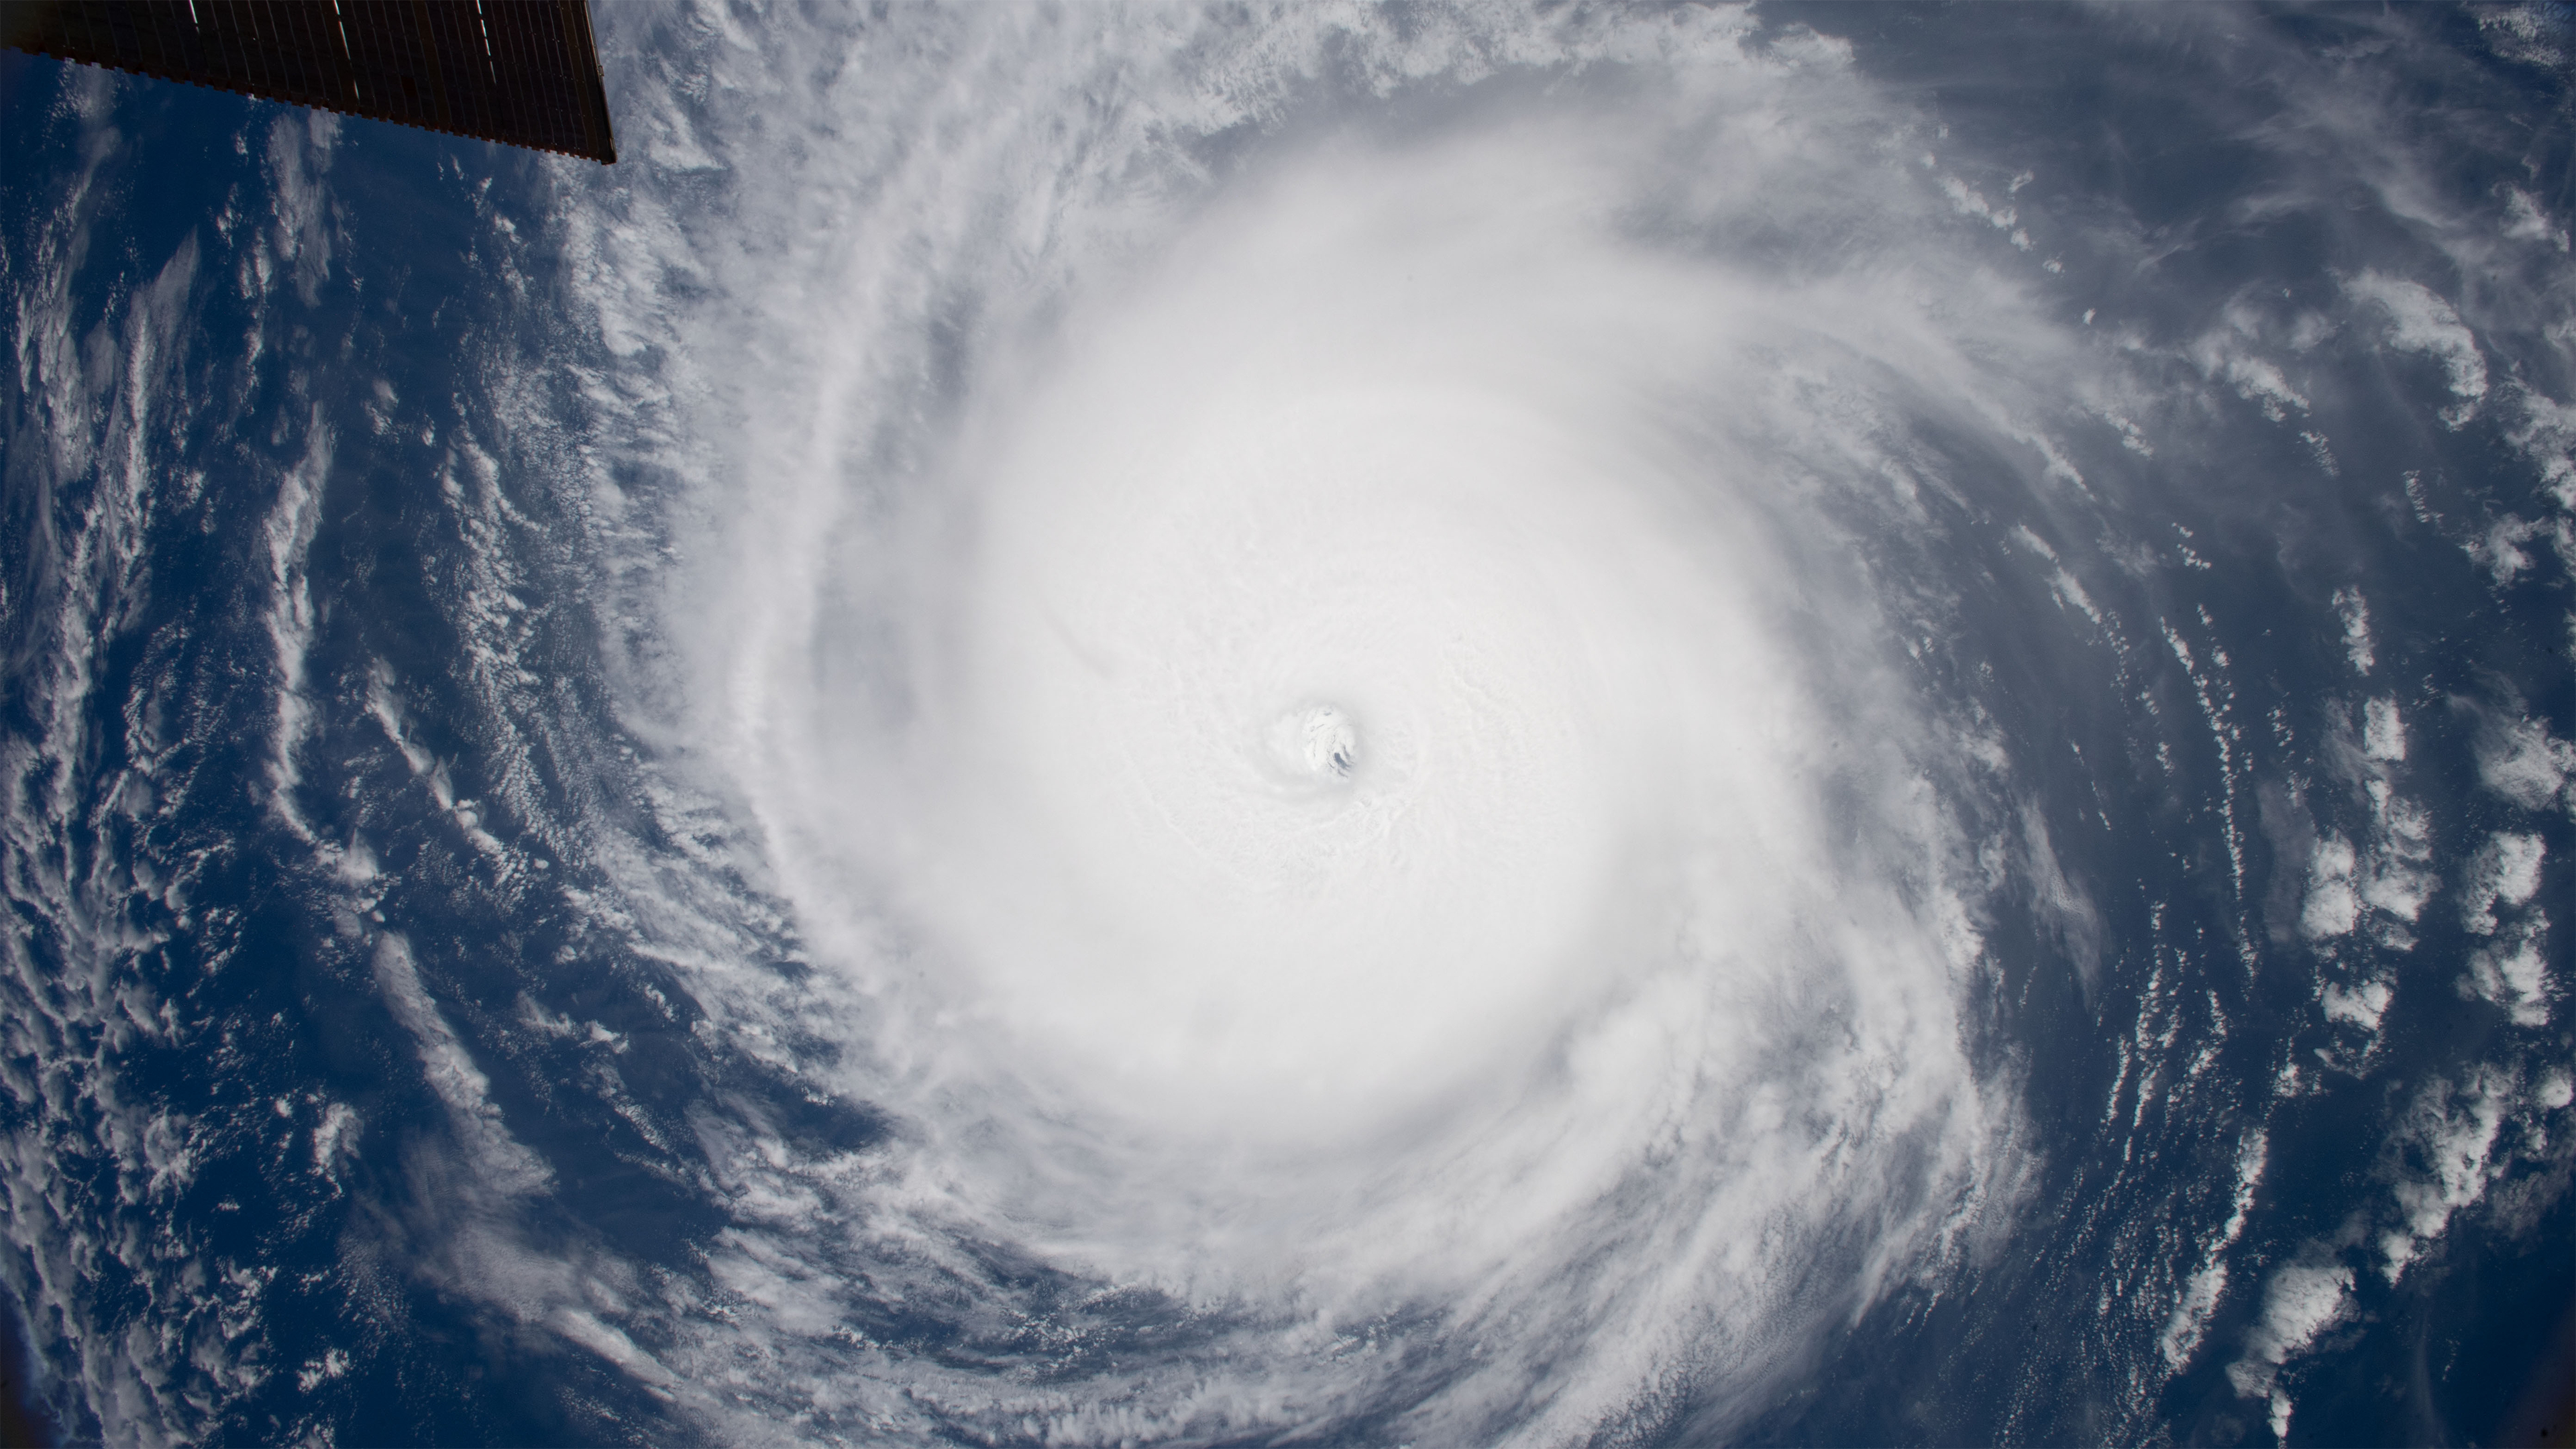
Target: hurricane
{"points": [[1441, 724]]}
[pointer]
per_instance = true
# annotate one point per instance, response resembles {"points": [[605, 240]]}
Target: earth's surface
{"points": [[1442, 724]]}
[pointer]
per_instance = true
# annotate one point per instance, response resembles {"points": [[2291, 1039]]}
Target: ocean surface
{"points": [[1327, 724]]}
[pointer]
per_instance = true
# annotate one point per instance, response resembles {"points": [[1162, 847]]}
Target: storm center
{"points": [[1316, 743]]}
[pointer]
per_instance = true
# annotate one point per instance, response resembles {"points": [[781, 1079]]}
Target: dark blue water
{"points": [[197, 989]]}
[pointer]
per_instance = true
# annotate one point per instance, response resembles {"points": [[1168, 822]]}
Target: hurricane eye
{"points": [[1331, 744], [1314, 745]]}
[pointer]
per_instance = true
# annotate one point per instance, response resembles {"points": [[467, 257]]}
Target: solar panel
{"points": [[520, 72]]}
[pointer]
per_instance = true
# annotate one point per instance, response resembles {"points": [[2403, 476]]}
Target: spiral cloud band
{"points": [[1336, 652], [1381, 812]]}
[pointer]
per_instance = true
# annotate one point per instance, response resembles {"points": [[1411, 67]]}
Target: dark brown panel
{"points": [[521, 72]]}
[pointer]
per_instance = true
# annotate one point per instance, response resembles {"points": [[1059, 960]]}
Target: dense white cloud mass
{"points": [[1363, 777], [1446, 724], [1339, 714]]}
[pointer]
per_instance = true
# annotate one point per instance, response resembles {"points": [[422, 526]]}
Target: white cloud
{"points": [[2383, 731], [2420, 321], [2513, 971], [2525, 222], [2189, 1321], [2500, 549], [2444, 1158], [2528, 33], [2362, 1006], [2506, 869], [2400, 877], [2546, 434], [502, 1163], [2333, 905], [2354, 610], [1328, 438], [2301, 1301], [2523, 762], [316, 1372]]}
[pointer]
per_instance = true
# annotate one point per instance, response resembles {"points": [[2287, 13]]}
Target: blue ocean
{"points": [[1464, 723]]}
